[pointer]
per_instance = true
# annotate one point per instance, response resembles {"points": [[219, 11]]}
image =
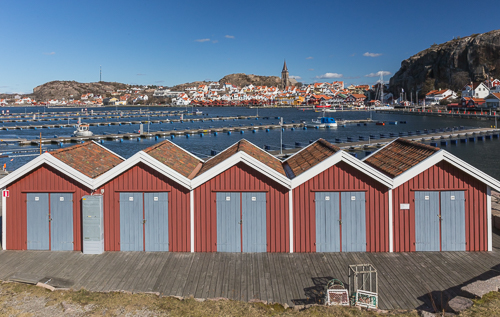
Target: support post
{"points": [[191, 218], [391, 228], [290, 216], [489, 220], [4, 222]]}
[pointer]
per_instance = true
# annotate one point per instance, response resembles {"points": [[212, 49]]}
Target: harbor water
{"points": [[481, 154]]}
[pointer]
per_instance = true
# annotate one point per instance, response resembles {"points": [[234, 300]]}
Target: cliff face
{"points": [[451, 64]]}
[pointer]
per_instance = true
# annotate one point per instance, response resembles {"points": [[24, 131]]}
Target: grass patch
{"points": [[489, 305], [21, 299]]}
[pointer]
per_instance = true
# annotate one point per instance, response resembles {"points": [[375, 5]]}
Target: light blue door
{"points": [[453, 221], [37, 219], [228, 222], [427, 221], [254, 222], [61, 222], [156, 217], [327, 221], [131, 222], [353, 213]]}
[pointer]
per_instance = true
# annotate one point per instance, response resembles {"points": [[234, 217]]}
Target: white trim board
{"points": [[341, 156], [236, 158], [47, 158], [443, 155], [142, 157]]}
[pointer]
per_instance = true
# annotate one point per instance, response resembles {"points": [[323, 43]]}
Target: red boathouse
{"points": [[241, 202], [340, 204], [147, 200], [43, 211], [439, 202]]}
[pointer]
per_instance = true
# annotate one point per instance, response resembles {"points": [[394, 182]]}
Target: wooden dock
{"points": [[474, 114], [370, 144], [119, 123], [406, 280], [159, 134]]}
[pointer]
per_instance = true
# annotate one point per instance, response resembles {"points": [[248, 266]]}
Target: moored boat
{"points": [[82, 130], [323, 122]]}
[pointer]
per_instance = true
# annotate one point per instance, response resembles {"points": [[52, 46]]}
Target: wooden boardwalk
{"points": [[405, 279]]}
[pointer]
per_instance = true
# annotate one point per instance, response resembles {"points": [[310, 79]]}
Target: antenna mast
{"points": [[100, 73]]}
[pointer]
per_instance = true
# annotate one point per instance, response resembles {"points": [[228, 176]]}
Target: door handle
{"points": [[144, 221], [241, 222], [340, 222]]}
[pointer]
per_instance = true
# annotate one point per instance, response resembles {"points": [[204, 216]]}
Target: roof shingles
{"points": [[309, 157], [88, 158], [399, 156], [174, 157], [248, 148]]}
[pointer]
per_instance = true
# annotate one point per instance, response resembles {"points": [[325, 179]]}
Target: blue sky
{"points": [[169, 43]]}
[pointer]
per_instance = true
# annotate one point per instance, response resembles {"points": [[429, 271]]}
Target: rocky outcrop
{"points": [[242, 80], [451, 64], [64, 89]]}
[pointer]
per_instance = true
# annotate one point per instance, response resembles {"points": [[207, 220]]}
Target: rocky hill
{"points": [[240, 80], [64, 89], [244, 79], [451, 64]]}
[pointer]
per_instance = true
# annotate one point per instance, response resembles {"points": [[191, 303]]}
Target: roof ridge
{"points": [[418, 144], [61, 150]]}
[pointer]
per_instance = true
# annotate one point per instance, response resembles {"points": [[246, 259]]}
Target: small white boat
{"points": [[82, 130], [323, 122], [197, 112]]}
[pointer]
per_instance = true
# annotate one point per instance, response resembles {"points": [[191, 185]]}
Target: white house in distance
{"points": [[493, 100], [433, 97], [475, 90]]}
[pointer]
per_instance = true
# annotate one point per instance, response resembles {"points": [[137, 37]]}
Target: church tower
{"points": [[285, 80]]}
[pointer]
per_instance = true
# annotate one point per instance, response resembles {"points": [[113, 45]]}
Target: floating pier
{"points": [[443, 137]]}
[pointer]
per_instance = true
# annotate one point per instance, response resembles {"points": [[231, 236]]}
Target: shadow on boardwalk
{"points": [[405, 279]]}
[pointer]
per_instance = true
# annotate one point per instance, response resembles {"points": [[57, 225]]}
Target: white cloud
{"points": [[202, 40], [51, 53], [371, 54], [296, 77], [229, 36], [377, 74], [215, 41], [329, 75], [310, 57]]}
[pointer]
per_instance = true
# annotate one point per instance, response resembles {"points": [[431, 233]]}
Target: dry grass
{"points": [[27, 300], [489, 305]]}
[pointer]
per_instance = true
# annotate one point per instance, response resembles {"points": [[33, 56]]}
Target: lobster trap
{"points": [[336, 293], [363, 285]]}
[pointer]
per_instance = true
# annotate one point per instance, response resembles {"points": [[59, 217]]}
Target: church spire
{"points": [[285, 78]]}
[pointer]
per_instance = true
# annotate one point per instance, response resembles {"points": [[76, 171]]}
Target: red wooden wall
{"points": [[44, 179], [241, 178], [341, 177], [442, 176], [142, 178]]}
